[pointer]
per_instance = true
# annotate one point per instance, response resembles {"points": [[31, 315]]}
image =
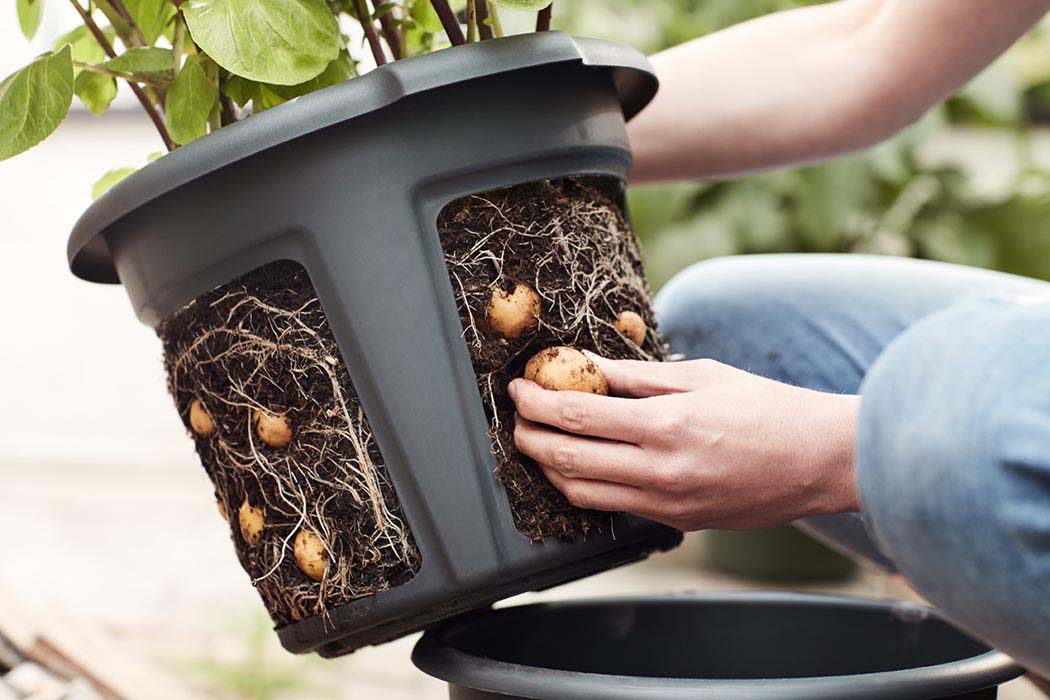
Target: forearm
{"points": [[812, 83]]}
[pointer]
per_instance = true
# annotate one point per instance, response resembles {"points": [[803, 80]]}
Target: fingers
{"points": [[582, 458], [577, 412], [598, 495], [639, 379]]}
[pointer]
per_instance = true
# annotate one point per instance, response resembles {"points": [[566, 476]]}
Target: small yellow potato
{"points": [[510, 315], [310, 554], [631, 326], [200, 419], [273, 429], [566, 369], [252, 522]]}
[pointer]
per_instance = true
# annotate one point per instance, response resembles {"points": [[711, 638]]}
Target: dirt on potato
{"points": [[569, 241]]}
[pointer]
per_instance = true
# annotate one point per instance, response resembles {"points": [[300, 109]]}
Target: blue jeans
{"points": [[953, 438]]}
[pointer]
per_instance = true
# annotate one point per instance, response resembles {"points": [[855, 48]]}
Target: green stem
{"points": [[497, 26], [472, 23], [215, 118], [130, 77]]}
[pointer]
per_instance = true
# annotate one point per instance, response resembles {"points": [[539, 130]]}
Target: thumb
{"points": [[637, 379]]}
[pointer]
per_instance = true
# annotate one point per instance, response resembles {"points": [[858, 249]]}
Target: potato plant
{"points": [[198, 66]]}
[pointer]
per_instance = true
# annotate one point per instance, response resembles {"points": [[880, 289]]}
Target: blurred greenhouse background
{"points": [[969, 184]]}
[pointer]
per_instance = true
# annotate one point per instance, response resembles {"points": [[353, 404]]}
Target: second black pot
{"points": [[729, 646]]}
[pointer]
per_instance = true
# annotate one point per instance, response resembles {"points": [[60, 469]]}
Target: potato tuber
{"points": [[310, 554], [252, 522], [273, 429], [566, 369], [632, 326], [200, 419], [510, 315]]}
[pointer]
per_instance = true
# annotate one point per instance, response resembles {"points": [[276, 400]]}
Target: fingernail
{"points": [[512, 389]]}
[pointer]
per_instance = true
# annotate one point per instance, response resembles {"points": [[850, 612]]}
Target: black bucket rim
{"points": [[440, 660], [634, 81]]}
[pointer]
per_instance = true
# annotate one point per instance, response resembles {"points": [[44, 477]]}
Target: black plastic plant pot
{"points": [[730, 646], [348, 183]]}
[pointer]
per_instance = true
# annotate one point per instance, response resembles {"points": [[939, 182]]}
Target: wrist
{"points": [[832, 459]]}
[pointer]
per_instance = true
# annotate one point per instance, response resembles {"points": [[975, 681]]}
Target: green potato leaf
{"points": [[425, 17], [339, 70], [85, 46], [95, 90], [283, 42], [527, 5], [34, 101], [143, 61], [152, 17], [106, 182], [240, 90], [190, 100], [29, 14]]}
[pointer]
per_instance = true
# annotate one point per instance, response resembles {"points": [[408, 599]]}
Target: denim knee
{"points": [[953, 465]]}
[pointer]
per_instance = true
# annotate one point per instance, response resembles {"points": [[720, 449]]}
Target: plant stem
{"points": [[449, 21], [481, 9], [151, 109], [215, 118], [543, 20], [133, 29], [386, 23], [365, 18], [130, 77], [472, 23], [497, 26]]}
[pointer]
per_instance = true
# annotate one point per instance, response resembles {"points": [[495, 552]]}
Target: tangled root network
{"points": [[569, 241], [261, 345]]}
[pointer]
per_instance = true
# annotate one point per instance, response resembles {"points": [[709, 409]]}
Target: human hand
{"points": [[693, 445]]}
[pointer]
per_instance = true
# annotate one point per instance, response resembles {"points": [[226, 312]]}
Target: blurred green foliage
{"points": [[892, 199]]}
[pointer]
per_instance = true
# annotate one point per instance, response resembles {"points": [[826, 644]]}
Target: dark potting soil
{"points": [[570, 241], [262, 343]]}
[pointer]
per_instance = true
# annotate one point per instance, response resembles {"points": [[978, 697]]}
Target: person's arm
{"points": [[693, 445], [807, 84]]}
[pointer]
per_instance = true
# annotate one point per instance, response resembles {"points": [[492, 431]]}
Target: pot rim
{"points": [[88, 255], [435, 657]]}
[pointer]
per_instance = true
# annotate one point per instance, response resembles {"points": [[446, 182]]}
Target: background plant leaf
{"points": [[30, 12], [152, 17], [107, 181], [34, 101], [143, 61], [282, 42], [95, 90], [190, 100]]}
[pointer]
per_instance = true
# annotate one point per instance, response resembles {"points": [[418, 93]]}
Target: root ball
{"points": [[566, 369], [273, 429], [200, 419], [511, 314], [631, 326], [252, 522], [310, 554]]}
